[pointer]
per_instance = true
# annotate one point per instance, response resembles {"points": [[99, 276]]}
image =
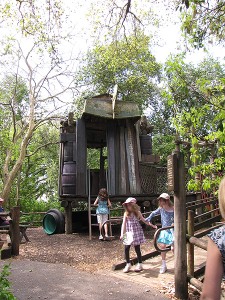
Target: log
{"points": [[195, 282], [15, 230], [146, 204], [64, 203], [197, 242], [181, 286], [74, 203]]}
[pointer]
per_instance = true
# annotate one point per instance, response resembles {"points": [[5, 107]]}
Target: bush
{"points": [[5, 285]]}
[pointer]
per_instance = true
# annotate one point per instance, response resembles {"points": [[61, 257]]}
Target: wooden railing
{"points": [[13, 229]]}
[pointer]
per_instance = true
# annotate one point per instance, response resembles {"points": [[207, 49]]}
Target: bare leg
{"points": [[106, 229], [100, 228], [163, 254]]}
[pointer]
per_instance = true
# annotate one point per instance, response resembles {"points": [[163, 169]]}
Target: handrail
{"points": [[110, 221], [156, 235]]}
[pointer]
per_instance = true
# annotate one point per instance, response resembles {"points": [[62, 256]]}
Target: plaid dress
{"points": [[133, 225]]}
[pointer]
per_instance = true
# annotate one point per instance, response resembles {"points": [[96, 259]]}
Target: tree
{"points": [[128, 63], [203, 20], [31, 58], [196, 97]]}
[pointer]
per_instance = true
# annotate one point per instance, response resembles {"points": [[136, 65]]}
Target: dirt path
{"points": [[38, 280]]}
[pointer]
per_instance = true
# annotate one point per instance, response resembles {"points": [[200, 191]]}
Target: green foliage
{"points": [[196, 97], [203, 20], [128, 63], [163, 145], [5, 285]]}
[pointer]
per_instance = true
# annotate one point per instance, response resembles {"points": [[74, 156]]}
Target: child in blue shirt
{"points": [[166, 210], [102, 211]]}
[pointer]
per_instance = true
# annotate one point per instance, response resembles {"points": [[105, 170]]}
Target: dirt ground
{"points": [[97, 257], [76, 250]]}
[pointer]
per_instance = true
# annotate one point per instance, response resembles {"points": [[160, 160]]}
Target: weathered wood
{"points": [[111, 158], [81, 157], [117, 159], [208, 222], [64, 203], [15, 230], [68, 219], [123, 182], [67, 137], [206, 231], [195, 282], [132, 159], [197, 242], [190, 246], [181, 287], [74, 204], [137, 127], [102, 170], [203, 204], [146, 203]]}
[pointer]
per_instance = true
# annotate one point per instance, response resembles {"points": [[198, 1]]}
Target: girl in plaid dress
{"points": [[132, 232]]}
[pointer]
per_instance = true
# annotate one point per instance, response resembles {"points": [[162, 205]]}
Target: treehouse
{"points": [[122, 138]]}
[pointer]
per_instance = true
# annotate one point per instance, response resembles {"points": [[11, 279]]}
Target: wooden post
{"points": [[181, 285], [68, 218], [81, 157], [89, 204], [190, 246], [15, 230]]}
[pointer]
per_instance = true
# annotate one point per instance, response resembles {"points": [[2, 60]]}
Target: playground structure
{"points": [[126, 163]]}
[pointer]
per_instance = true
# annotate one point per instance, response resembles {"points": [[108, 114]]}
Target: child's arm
{"points": [[153, 214], [213, 273], [146, 222], [109, 203], [123, 227], [96, 202]]}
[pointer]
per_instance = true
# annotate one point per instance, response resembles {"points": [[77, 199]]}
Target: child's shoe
{"points": [[100, 237], [138, 268], [163, 269], [127, 268]]}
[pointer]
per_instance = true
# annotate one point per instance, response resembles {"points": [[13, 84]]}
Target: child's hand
{"points": [[154, 226], [121, 237]]}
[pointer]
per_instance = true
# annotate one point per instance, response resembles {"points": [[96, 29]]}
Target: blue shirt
{"points": [[167, 217], [102, 208]]}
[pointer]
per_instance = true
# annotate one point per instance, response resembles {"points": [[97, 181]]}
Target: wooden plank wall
{"points": [[132, 158], [111, 157], [124, 188], [81, 157], [123, 162]]}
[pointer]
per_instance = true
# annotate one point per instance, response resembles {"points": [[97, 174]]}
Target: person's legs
{"points": [[104, 219], [138, 252], [127, 253], [163, 268], [139, 258], [127, 258], [99, 219]]}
